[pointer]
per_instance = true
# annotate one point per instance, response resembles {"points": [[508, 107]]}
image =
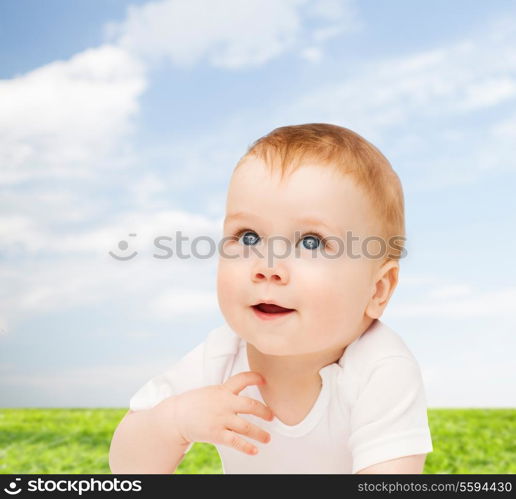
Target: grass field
{"points": [[77, 441]]}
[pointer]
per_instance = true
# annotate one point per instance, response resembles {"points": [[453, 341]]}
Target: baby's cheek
{"points": [[227, 283], [334, 293]]}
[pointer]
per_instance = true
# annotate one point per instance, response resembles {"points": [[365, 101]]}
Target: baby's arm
{"points": [[407, 465], [141, 444]]}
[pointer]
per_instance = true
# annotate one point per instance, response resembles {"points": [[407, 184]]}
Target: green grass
{"points": [[77, 441]]}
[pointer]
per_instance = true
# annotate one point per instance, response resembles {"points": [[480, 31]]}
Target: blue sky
{"points": [[121, 117]]}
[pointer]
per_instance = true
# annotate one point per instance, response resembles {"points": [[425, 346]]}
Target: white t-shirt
{"points": [[371, 407]]}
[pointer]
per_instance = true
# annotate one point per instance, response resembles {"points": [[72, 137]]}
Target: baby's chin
{"points": [[272, 346], [275, 341], [264, 337]]}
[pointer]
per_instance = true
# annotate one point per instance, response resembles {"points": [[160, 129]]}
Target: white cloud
{"points": [[229, 34], [423, 110], [458, 302], [312, 54], [23, 236], [89, 386], [418, 279], [144, 191], [4, 329], [69, 118], [446, 81], [474, 378], [178, 302], [68, 113], [40, 287], [57, 271], [342, 17], [450, 291], [504, 129], [488, 93]]}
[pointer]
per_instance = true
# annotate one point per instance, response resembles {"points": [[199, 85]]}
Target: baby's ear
{"points": [[385, 282]]}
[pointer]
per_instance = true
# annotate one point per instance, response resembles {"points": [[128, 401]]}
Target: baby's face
{"points": [[329, 290]]}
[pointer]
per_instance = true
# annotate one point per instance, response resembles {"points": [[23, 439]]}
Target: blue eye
{"points": [[252, 240], [313, 242]]}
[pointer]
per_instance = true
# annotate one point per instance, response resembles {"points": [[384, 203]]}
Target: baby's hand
{"points": [[209, 414]]}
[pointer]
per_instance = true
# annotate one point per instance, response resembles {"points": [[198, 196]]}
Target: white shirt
{"points": [[371, 407]]}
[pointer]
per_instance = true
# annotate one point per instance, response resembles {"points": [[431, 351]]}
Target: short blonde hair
{"points": [[289, 147]]}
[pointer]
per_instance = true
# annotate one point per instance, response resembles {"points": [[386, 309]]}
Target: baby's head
{"points": [[301, 204]]}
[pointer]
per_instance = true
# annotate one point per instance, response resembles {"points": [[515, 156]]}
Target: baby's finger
{"points": [[244, 427], [248, 405], [231, 439], [239, 381]]}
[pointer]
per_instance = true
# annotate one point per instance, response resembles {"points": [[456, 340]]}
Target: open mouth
{"points": [[269, 311]]}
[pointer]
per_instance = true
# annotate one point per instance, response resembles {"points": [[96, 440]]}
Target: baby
{"points": [[302, 377]]}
